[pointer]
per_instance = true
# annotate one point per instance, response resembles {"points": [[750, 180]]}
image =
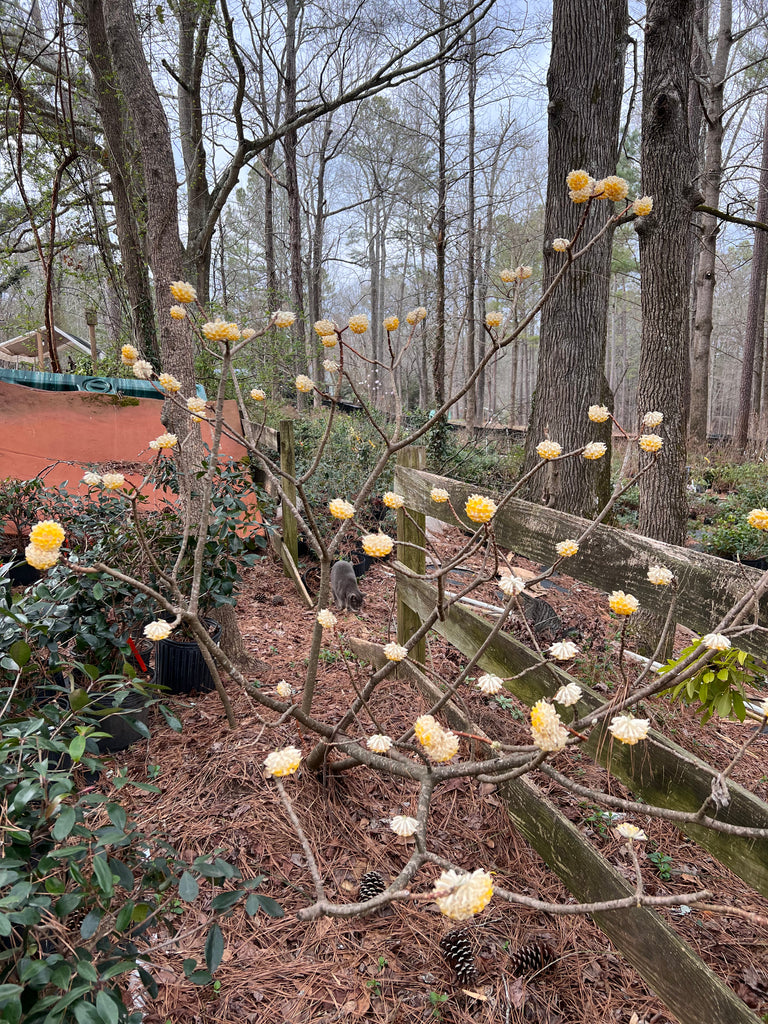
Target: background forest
{"points": [[341, 158]]}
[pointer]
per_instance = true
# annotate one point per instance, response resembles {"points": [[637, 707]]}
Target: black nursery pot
{"points": [[118, 726], [179, 663]]}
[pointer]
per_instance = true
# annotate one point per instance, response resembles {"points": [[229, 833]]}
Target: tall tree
{"points": [[585, 83], [749, 390], [667, 162]]}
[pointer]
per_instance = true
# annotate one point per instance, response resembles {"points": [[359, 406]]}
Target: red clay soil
{"points": [[388, 967]]}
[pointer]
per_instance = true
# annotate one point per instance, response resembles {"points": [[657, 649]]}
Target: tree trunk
{"points": [[290, 146], [194, 25], [438, 353], [712, 97], [756, 303], [585, 82], [667, 163], [469, 359], [126, 178]]}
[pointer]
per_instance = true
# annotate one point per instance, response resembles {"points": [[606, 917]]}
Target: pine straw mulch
{"points": [[387, 967]]}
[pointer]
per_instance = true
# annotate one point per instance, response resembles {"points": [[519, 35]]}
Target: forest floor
{"points": [[388, 967]]}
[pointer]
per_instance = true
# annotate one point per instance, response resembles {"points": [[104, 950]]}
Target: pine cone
{"points": [[457, 950], [530, 959], [371, 884]]}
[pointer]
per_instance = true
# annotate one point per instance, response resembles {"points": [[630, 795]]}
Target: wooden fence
{"points": [[658, 771]]}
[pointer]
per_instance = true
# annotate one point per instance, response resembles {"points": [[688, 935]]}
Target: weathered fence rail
{"points": [[658, 771], [609, 559]]}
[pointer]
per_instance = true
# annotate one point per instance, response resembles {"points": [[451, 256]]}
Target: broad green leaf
{"points": [[90, 923], [269, 906], [214, 948], [107, 1007], [225, 900], [20, 652], [103, 875], [188, 887]]}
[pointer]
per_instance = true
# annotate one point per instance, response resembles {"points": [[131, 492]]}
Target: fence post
{"points": [[288, 465], [411, 531]]}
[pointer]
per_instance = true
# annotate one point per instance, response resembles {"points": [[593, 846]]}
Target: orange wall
{"points": [[73, 431]]}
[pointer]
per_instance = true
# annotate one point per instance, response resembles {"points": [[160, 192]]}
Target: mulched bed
{"points": [[388, 967]]}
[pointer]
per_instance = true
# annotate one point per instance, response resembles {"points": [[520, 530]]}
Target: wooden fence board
{"points": [[668, 964], [610, 559], [658, 771]]}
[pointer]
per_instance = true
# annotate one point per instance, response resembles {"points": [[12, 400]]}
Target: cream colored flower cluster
{"points": [[563, 650], [44, 548], [282, 762], [415, 316], [304, 383], [379, 743], [549, 450], [283, 317], [628, 729], [358, 324], [157, 630], [393, 500], [341, 509], [391, 323], [547, 727], [439, 744], [395, 652], [623, 604], [439, 495], [169, 383], [568, 695], [511, 586], [460, 895], [403, 825], [164, 441], [326, 618], [509, 276], [758, 518], [567, 548], [110, 481], [490, 684], [221, 330], [494, 319]]}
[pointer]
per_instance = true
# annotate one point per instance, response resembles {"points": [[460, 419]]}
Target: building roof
{"points": [[23, 348]]}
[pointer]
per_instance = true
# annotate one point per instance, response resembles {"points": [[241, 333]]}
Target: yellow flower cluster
{"points": [[341, 509], [169, 383], [258, 395], [183, 292], [282, 762], [330, 366], [391, 323], [547, 727], [284, 689], [548, 449], [329, 340], [509, 276], [221, 330], [358, 324], [567, 548], [197, 407], [465, 894], [561, 244], [479, 508], [91, 479], [623, 604], [157, 630], [595, 450], [45, 540], [164, 441], [326, 618], [650, 442], [129, 355], [613, 188], [653, 419], [304, 383], [393, 500], [494, 319], [247, 334], [283, 317], [178, 313], [642, 206], [439, 495], [758, 518], [47, 534], [377, 545], [323, 327], [416, 315], [577, 180]]}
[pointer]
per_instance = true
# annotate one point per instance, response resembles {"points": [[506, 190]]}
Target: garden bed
{"points": [[388, 966]]}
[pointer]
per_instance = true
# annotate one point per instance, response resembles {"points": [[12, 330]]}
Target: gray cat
{"points": [[344, 587]]}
